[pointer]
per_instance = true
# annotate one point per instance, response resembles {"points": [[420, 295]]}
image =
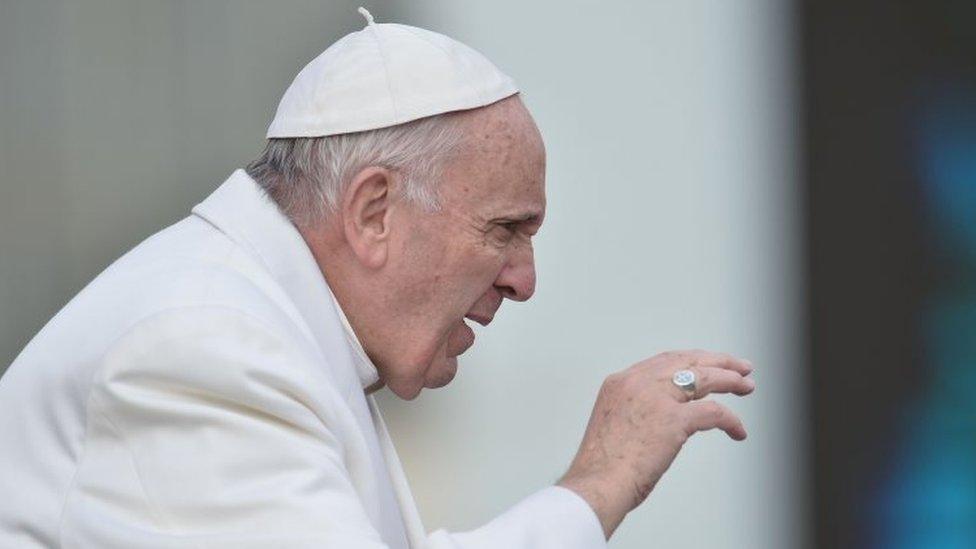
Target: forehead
{"points": [[500, 168]]}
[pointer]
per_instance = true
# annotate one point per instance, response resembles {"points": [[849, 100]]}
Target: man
{"points": [[212, 388]]}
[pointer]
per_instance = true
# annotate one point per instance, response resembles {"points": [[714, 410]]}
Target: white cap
{"points": [[384, 75]]}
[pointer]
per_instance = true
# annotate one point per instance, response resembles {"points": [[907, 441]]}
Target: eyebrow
{"points": [[519, 218]]}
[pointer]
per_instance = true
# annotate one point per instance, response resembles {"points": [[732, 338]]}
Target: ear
{"points": [[366, 215]]}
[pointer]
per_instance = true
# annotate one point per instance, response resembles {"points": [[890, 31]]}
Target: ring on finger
{"points": [[685, 380]]}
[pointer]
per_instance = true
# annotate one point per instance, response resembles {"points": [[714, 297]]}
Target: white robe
{"points": [[205, 390]]}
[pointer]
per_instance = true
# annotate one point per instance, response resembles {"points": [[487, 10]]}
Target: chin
{"points": [[438, 374], [407, 390], [431, 368], [441, 374]]}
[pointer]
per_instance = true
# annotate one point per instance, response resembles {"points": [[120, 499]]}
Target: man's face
{"points": [[463, 260]]}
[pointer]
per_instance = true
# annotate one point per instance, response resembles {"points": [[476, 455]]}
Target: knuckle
{"points": [[666, 356], [674, 356], [703, 378], [612, 379], [617, 378], [624, 382], [632, 383], [611, 384], [713, 410]]}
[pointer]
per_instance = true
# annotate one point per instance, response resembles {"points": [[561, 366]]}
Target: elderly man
{"points": [[212, 388]]}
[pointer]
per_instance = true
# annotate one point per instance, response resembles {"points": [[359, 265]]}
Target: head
{"points": [[417, 228]]}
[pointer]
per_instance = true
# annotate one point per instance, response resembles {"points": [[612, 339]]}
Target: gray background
{"points": [[673, 217]]}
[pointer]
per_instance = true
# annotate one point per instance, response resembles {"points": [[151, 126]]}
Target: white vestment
{"points": [[206, 391]]}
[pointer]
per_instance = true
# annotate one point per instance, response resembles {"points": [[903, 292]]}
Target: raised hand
{"points": [[641, 420]]}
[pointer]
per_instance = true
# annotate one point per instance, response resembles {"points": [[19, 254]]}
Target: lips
{"points": [[460, 340], [484, 320]]}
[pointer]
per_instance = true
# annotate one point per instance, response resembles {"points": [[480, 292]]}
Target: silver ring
{"points": [[685, 380]]}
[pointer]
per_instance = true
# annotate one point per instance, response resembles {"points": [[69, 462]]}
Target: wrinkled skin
{"points": [[408, 278], [641, 420]]}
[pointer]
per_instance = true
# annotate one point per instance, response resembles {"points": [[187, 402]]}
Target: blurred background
{"points": [[792, 182]]}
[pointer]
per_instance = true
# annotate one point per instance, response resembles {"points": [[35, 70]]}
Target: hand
{"points": [[641, 420]]}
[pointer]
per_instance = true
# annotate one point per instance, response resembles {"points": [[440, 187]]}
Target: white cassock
{"points": [[205, 391]]}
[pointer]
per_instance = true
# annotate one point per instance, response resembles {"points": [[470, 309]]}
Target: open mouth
{"points": [[461, 339], [480, 319]]}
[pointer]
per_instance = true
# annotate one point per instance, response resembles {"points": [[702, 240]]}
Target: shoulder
{"points": [[186, 275], [208, 334], [216, 356], [187, 264]]}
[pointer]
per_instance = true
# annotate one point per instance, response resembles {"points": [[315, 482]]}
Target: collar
{"points": [[242, 210], [368, 374]]}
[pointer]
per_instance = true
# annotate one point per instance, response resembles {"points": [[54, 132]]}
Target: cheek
{"points": [[418, 269], [441, 273], [481, 264], [461, 273]]}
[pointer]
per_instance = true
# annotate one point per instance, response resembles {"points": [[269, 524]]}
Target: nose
{"points": [[516, 281]]}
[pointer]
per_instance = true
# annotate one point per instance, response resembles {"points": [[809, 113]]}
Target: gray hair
{"points": [[306, 176]]}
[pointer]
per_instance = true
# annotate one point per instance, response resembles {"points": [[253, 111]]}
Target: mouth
{"points": [[463, 337], [484, 320], [460, 340]]}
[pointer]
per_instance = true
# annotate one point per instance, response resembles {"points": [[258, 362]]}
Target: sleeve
{"points": [[203, 431], [555, 517]]}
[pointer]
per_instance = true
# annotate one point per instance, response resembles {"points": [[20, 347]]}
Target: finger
{"points": [[717, 360], [704, 415], [716, 380]]}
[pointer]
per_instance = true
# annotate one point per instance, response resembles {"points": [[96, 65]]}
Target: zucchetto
{"points": [[383, 75]]}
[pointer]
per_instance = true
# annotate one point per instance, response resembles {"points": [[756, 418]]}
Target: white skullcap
{"points": [[384, 75]]}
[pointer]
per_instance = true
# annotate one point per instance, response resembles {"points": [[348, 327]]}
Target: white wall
{"points": [[672, 223]]}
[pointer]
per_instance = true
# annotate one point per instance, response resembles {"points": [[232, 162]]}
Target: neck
{"points": [[338, 267]]}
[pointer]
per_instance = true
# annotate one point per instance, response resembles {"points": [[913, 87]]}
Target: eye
{"points": [[504, 231]]}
